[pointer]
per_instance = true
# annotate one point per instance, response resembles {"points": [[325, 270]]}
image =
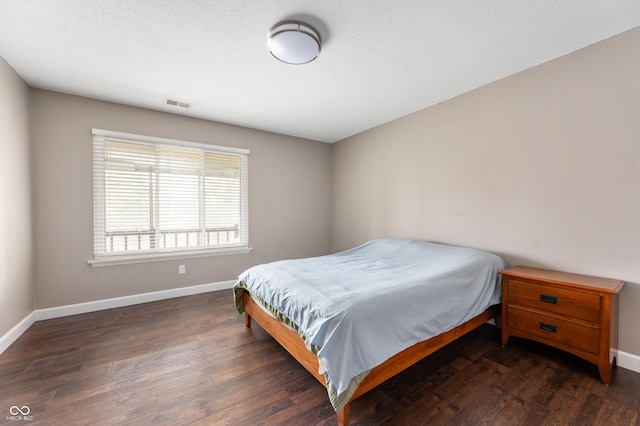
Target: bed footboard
{"points": [[289, 340]]}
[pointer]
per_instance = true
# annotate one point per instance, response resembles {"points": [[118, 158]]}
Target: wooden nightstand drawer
{"points": [[575, 313], [554, 327], [553, 299]]}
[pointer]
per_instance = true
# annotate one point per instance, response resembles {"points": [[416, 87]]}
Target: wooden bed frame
{"points": [[394, 365]]}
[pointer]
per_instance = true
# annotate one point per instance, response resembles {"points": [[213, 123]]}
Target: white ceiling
{"points": [[380, 59]]}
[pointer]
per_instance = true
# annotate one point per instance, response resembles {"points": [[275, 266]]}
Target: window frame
{"points": [[103, 258]]}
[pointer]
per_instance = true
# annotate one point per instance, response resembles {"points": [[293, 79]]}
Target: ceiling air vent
{"points": [[178, 103]]}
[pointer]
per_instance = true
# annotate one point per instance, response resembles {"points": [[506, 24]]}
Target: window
{"points": [[157, 198]]}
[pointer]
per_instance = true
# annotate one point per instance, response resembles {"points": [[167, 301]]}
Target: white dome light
{"points": [[294, 42]]}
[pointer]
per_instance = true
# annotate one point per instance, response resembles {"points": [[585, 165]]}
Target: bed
{"points": [[356, 318]]}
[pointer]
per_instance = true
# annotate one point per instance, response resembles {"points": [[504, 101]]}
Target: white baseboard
{"points": [[98, 305], [117, 302], [629, 361], [12, 335]]}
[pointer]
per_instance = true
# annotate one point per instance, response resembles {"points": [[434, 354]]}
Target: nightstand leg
{"points": [[605, 373]]}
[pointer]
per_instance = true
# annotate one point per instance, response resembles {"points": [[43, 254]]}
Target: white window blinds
{"points": [[158, 195]]}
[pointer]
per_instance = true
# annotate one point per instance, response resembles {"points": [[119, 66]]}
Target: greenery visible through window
{"points": [[156, 195]]}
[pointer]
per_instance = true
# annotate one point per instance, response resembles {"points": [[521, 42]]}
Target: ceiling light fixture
{"points": [[294, 42]]}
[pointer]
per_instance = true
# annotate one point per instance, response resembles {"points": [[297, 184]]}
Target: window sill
{"points": [[156, 257]]}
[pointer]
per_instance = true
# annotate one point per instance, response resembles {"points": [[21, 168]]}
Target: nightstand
{"points": [[575, 313]]}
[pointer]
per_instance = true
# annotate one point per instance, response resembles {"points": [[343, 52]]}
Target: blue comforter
{"points": [[362, 306]]}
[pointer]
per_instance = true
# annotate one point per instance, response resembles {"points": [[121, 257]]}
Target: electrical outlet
{"points": [[182, 269]]}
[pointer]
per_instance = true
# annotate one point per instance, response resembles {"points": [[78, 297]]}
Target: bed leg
{"points": [[247, 320], [498, 320], [343, 416]]}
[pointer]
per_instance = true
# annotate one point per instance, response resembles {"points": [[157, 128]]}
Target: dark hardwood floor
{"points": [[190, 360]]}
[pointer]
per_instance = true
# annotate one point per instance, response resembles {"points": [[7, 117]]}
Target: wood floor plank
{"points": [[448, 400], [612, 413], [566, 400], [191, 360]]}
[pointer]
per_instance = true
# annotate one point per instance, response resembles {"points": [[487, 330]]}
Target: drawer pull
{"points": [[548, 299], [548, 327]]}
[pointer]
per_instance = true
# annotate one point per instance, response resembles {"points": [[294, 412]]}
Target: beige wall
{"points": [[289, 186], [542, 168], [16, 252]]}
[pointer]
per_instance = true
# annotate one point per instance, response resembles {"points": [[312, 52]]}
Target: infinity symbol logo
{"points": [[14, 410]]}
